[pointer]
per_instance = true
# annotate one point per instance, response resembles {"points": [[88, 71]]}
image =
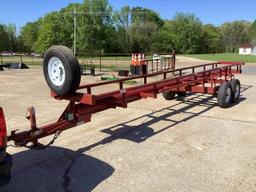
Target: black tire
{"points": [[224, 95], [181, 93], [236, 87], [72, 71], [170, 95]]}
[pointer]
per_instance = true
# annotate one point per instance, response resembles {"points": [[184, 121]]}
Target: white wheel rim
{"points": [[237, 91], [228, 95], [56, 71]]}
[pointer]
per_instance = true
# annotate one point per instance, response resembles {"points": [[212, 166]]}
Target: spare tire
{"points": [[61, 70]]}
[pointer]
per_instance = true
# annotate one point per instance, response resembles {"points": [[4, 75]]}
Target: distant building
{"points": [[254, 51], [245, 49]]}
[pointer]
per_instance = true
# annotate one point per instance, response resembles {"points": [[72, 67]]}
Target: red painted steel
{"points": [[197, 79], [3, 134]]}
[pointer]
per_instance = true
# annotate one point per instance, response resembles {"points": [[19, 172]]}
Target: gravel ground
{"points": [[153, 145]]}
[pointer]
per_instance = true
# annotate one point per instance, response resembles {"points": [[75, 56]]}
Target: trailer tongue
{"points": [[62, 74]]}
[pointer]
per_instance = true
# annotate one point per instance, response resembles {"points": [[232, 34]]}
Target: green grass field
{"points": [[224, 57], [111, 67]]}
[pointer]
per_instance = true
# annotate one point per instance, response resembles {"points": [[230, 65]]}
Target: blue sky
{"points": [[216, 12]]}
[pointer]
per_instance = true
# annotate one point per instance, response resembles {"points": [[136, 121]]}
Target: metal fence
{"points": [[110, 61], [29, 59]]}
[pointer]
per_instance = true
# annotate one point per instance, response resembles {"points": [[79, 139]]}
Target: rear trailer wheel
{"points": [[61, 70], [170, 95], [224, 95], [236, 87], [181, 93]]}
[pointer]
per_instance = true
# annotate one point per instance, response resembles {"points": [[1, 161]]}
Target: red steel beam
{"points": [[3, 134]]}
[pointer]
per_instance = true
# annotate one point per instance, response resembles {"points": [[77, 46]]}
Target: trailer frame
{"points": [[206, 79], [82, 105]]}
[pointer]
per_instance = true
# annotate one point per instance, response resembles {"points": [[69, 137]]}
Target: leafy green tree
{"points": [[137, 28], [21, 45], [4, 39], [142, 36], [130, 29], [252, 33], [141, 16], [11, 31], [211, 39], [187, 33], [233, 34], [95, 28], [67, 28], [122, 23], [53, 31], [29, 34], [144, 28], [49, 32], [8, 38], [165, 39], [55, 28]]}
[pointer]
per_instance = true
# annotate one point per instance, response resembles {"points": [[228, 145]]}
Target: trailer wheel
{"points": [[61, 70], [236, 86], [224, 95], [170, 95], [181, 93]]}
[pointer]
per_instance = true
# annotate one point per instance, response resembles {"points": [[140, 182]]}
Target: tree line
{"points": [[130, 29]]}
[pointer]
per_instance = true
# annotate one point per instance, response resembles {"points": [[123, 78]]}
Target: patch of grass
{"points": [[130, 82], [112, 58], [111, 67], [25, 59], [224, 57], [108, 78]]}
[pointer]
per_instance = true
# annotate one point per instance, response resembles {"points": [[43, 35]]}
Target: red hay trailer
{"points": [[62, 73]]}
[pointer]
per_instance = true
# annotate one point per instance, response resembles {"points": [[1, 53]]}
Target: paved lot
{"points": [[154, 145]]}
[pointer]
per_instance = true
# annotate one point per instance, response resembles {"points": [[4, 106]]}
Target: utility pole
{"points": [[75, 24], [90, 6]]}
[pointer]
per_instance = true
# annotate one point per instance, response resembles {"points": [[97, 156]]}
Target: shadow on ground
{"points": [[143, 131], [56, 169]]}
